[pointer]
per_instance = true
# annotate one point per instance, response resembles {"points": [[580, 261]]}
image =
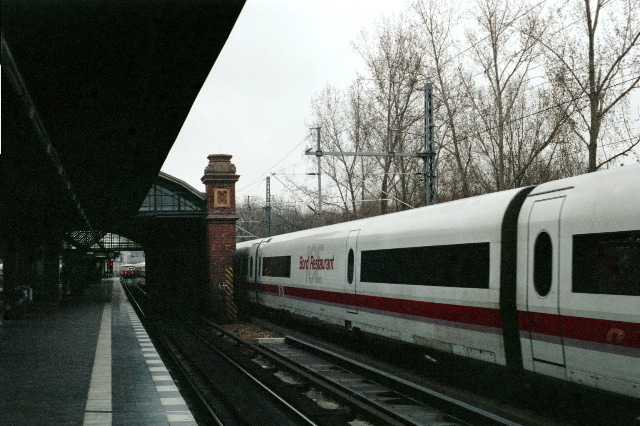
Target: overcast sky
{"points": [[255, 105]]}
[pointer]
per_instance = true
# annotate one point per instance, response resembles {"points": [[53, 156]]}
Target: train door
{"points": [[352, 272], [545, 324], [253, 271]]}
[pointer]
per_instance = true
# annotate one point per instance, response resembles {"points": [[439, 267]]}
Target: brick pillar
{"points": [[220, 178]]}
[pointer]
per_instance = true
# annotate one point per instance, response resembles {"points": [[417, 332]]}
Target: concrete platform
{"points": [[87, 362]]}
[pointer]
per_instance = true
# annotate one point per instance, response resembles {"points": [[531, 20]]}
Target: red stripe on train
{"points": [[618, 333], [610, 332], [486, 317]]}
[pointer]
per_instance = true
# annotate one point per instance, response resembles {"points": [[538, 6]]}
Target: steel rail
{"points": [[193, 387], [247, 373], [171, 351], [346, 396], [464, 411]]}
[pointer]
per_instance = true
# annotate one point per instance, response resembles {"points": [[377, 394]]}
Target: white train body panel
{"points": [[442, 277], [578, 331], [461, 320]]}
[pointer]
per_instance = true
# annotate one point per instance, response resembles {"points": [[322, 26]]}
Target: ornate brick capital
{"points": [[220, 170]]}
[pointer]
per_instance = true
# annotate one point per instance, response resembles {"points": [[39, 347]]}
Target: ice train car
{"points": [[544, 279]]}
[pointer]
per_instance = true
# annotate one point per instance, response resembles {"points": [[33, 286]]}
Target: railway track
{"points": [[220, 391], [229, 380], [371, 394], [519, 401], [399, 399]]}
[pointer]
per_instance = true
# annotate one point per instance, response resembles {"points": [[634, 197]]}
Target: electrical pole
{"points": [[390, 153], [428, 154], [429, 173], [267, 208], [318, 155]]}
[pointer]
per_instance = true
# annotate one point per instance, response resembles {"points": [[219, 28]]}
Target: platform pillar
{"points": [[220, 178], [49, 269]]}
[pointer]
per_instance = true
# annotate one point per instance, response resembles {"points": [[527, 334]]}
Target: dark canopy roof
{"points": [[94, 94]]}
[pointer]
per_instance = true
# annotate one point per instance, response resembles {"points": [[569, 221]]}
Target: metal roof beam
{"points": [[16, 81]]}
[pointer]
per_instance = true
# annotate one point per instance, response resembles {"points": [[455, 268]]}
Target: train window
{"points": [[251, 266], [457, 265], [607, 263], [350, 265], [543, 264], [276, 266]]}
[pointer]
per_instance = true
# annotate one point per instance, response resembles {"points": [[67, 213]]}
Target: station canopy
{"points": [[94, 94], [168, 198]]}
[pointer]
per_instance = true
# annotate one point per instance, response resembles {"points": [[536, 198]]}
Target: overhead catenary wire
{"points": [[522, 117], [334, 184], [258, 179], [286, 186], [487, 128], [574, 99], [513, 22]]}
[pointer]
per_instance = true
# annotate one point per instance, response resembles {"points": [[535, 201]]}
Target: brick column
{"points": [[220, 178]]}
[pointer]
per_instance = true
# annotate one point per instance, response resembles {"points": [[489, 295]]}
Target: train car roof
{"points": [[466, 219], [603, 201], [589, 182]]}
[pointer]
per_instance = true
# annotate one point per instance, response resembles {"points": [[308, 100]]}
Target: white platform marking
{"points": [[98, 409], [158, 369], [180, 417], [177, 415], [172, 401], [167, 388]]}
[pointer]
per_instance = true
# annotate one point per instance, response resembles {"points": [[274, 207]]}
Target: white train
{"points": [[544, 279]]}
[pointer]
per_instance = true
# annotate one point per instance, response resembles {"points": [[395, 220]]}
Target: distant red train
{"points": [[133, 271], [543, 279], [127, 271]]}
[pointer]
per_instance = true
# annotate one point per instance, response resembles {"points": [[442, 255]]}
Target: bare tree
{"points": [[516, 123], [597, 66], [505, 57], [345, 126], [436, 23], [515, 103], [286, 216], [393, 64]]}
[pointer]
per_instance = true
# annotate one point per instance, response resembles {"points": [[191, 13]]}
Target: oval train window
{"points": [[543, 264], [350, 265]]}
